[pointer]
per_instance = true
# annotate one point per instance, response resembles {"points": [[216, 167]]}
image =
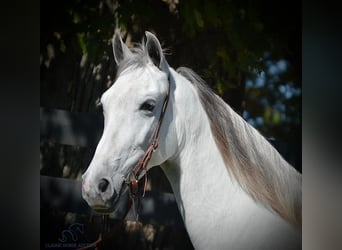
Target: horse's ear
{"points": [[120, 50], [154, 50]]}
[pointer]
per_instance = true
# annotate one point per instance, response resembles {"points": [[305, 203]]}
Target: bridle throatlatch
{"points": [[141, 166]]}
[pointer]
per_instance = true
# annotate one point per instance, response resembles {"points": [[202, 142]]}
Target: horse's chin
{"points": [[117, 207], [103, 209]]}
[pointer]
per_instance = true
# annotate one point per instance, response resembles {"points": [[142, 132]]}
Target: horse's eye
{"points": [[147, 106]]}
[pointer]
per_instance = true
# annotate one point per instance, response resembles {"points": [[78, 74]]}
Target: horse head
{"points": [[132, 109]]}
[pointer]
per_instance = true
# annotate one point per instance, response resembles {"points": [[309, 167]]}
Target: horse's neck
{"points": [[216, 211]]}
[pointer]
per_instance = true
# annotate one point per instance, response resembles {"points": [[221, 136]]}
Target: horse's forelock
{"points": [[138, 59]]}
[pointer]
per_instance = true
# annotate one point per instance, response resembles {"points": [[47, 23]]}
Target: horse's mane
{"points": [[249, 157]]}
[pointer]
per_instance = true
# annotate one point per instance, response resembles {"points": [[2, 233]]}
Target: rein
{"points": [[140, 167], [96, 243]]}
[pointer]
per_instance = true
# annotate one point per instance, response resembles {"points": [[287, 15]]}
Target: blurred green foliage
{"points": [[248, 51]]}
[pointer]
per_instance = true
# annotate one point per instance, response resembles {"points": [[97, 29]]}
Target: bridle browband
{"points": [[133, 178]]}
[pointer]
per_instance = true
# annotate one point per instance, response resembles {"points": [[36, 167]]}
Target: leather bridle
{"points": [[141, 167]]}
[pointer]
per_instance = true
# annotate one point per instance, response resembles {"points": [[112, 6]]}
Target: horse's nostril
{"points": [[103, 184]]}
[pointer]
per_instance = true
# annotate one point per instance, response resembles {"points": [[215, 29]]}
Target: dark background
{"points": [[249, 52], [321, 124]]}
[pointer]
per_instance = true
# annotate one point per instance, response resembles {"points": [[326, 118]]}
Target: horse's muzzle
{"points": [[104, 198]]}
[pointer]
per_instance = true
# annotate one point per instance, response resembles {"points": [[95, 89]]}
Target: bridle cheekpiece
{"points": [[141, 167]]}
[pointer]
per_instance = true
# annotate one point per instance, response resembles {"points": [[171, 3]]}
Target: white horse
{"points": [[233, 189]]}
